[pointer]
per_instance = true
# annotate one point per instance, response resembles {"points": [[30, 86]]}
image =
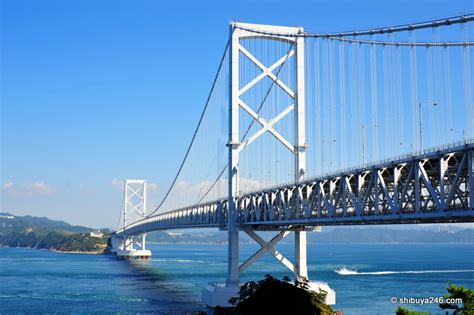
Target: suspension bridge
{"points": [[302, 130]]}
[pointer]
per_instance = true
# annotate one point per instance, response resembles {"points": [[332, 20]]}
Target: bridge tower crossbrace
{"points": [[218, 294], [134, 204]]}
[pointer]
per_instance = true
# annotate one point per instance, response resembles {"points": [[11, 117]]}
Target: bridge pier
{"points": [[218, 294], [299, 268], [125, 247]]}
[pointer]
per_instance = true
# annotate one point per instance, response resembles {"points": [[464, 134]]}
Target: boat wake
{"points": [[356, 273]]}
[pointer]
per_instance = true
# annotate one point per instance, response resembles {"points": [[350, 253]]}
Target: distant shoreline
{"points": [[76, 252], [216, 244], [309, 243], [57, 250]]}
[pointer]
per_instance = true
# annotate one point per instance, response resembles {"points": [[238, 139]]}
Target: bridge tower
{"points": [[219, 294], [133, 209]]}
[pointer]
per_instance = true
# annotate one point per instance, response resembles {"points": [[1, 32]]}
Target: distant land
{"points": [[388, 235], [44, 233], [346, 235]]}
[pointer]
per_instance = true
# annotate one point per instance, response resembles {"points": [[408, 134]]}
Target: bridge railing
{"points": [[452, 146], [210, 214], [434, 184], [433, 187]]}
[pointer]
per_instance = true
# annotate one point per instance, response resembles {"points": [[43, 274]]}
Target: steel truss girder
{"points": [[437, 187], [202, 215]]}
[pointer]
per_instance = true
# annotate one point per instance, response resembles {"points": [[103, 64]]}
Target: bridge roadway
{"points": [[433, 187]]}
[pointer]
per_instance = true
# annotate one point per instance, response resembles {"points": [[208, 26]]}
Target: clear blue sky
{"points": [[96, 91]]}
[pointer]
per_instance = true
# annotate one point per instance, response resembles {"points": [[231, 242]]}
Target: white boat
{"points": [[344, 271]]}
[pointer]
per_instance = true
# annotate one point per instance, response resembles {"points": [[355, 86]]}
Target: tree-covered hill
{"points": [[44, 233], [57, 241], [12, 223]]}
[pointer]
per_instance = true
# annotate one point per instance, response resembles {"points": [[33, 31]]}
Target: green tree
{"points": [[274, 296], [405, 311], [465, 294]]}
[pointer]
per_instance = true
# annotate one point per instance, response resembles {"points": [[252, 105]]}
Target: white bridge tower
{"points": [[133, 209], [219, 294]]}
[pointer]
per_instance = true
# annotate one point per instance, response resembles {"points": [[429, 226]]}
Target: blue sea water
{"points": [[171, 282]]}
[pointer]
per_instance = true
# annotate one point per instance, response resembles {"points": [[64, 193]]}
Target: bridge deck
{"points": [[433, 187]]}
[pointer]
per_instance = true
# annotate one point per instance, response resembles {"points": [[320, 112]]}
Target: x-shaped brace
{"points": [[266, 247], [135, 193], [127, 241], [136, 241], [266, 71], [267, 126]]}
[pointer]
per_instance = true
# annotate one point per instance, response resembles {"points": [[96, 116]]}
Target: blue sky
{"points": [[93, 92]]}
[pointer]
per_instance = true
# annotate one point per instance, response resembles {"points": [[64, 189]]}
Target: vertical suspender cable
{"points": [[399, 99], [195, 132], [438, 91], [414, 95], [373, 80], [386, 100], [342, 99], [467, 82], [448, 92], [332, 104], [429, 72], [318, 148], [361, 101]]}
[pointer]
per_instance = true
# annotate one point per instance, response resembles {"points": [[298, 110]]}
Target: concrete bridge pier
{"points": [[301, 269], [130, 247], [218, 294]]}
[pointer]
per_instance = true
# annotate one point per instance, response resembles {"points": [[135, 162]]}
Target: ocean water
{"points": [[171, 282]]}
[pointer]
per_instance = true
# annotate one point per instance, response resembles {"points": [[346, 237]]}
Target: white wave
{"points": [[180, 260], [356, 273]]}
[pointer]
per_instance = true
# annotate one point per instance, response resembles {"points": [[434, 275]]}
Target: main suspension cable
{"points": [[195, 131], [382, 30], [253, 121]]}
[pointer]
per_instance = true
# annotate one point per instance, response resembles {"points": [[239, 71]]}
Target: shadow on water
{"points": [[157, 287]]}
